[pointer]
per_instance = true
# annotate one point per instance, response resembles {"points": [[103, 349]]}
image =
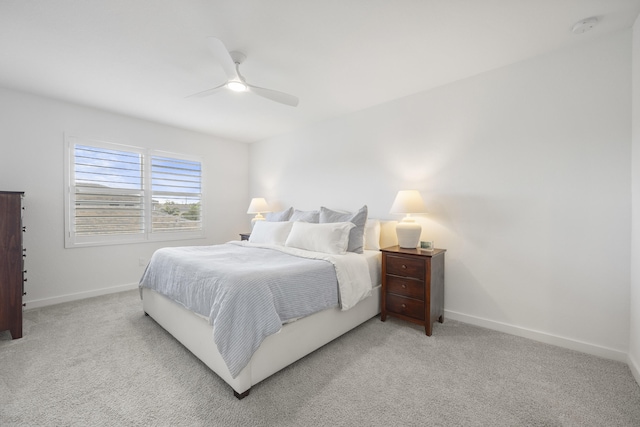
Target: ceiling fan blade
{"points": [[274, 95], [222, 55], [207, 92]]}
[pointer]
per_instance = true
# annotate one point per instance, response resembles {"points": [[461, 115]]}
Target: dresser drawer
{"points": [[406, 287], [406, 266], [406, 306]]}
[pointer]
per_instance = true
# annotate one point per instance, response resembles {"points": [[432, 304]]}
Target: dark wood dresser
{"points": [[11, 263], [413, 285]]}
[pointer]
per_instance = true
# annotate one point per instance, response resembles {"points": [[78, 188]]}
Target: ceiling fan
{"points": [[230, 62]]}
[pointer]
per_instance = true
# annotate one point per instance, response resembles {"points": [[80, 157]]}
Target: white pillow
{"points": [[372, 235], [273, 233], [331, 238], [358, 219]]}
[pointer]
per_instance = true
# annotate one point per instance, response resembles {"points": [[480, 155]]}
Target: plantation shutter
{"points": [[176, 194], [109, 192]]}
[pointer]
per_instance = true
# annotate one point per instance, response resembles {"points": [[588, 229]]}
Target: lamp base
{"points": [[257, 218], [408, 233]]}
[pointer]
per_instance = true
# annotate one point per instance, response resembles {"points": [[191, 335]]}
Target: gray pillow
{"points": [[356, 236], [305, 216], [279, 216]]}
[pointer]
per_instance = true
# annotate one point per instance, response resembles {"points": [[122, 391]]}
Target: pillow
{"points": [[356, 237], [306, 216], [279, 216], [372, 235], [330, 238], [273, 233]]}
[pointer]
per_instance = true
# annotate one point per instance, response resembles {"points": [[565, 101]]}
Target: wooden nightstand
{"points": [[244, 236], [413, 285]]}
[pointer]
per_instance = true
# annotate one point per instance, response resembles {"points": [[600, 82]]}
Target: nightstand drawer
{"points": [[406, 287], [405, 266], [406, 306]]}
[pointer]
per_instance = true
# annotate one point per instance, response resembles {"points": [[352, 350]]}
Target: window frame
{"points": [[71, 240]]}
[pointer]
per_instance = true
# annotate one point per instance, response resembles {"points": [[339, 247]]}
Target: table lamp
{"points": [[408, 231], [258, 206]]}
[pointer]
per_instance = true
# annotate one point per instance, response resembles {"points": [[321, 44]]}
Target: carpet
{"points": [[101, 362]]}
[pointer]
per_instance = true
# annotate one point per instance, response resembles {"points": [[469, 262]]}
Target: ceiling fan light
{"points": [[237, 86]]}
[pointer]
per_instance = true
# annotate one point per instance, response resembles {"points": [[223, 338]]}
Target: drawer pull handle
{"points": [[404, 306], [404, 266], [404, 286]]}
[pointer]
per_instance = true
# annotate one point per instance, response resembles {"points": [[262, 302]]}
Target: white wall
{"points": [[526, 174], [31, 160], [634, 335]]}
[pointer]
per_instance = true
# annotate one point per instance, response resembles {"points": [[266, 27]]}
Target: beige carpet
{"points": [[101, 362]]}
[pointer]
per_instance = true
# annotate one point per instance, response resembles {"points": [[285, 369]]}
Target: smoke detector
{"points": [[584, 25]]}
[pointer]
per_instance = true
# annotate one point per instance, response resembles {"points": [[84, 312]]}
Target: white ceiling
{"points": [[143, 57]]}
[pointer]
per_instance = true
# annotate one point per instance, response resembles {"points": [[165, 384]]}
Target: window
{"points": [[108, 190], [122, 194], [175, 196]]}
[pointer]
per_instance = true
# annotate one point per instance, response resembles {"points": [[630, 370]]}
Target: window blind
{"points": [[176, 194], [109, 194], [123, 194]]}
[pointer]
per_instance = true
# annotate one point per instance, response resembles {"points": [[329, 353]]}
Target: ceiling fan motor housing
{"points": [[238, 57]]}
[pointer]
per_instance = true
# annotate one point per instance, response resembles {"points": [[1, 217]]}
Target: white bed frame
{"points": [[294, 341]]}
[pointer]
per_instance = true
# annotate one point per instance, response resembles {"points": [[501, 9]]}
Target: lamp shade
{"points": [[258, 205], [407, 230], [408, 202]]}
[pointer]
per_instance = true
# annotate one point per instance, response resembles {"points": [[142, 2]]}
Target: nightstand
{"points": [[244, 236], [413, 285]]}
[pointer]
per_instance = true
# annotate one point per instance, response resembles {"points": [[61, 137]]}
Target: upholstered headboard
{"points": [[388, 235]]}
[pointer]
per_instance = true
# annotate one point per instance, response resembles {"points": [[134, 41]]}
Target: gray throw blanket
{"points": [[246, 292]]}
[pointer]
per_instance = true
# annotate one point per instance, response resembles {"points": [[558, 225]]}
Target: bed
{"points": [[295, 338]]}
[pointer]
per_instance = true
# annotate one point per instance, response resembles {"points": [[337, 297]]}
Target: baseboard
{"points": [[78, 296], [635, 368], [596, 350]]}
